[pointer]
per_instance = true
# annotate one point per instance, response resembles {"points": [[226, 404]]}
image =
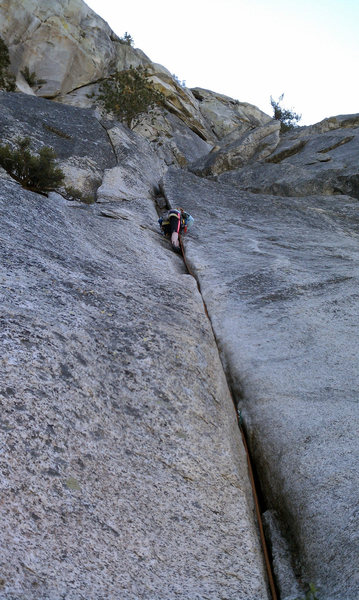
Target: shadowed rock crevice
{"points": [[345, 140], [285, 153]]}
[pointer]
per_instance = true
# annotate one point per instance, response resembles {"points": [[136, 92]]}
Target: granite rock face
{"points": [[81, 144], [172, 140], [68, 50], [279, 276], [123, 470], [237, 149], [320, 159], [138, 169], [224, 114], [63, 42], [181, 102], [124, 474]]}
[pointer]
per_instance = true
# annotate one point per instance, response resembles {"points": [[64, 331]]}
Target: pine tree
{"points": [[128, 94], [36, 173], [288, 119]]}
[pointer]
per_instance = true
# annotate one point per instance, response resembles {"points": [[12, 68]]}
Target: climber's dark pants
{"points": [[172, 226]]}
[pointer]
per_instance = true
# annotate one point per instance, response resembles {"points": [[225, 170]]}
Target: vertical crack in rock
{"points": [[161, 204], [124, 471], [253, 477], [279, 276]]}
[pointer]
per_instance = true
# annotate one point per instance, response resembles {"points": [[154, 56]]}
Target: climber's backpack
{"points": [[188, 221]]}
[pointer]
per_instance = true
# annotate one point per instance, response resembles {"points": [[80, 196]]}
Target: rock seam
{"points": [[267, 559]]}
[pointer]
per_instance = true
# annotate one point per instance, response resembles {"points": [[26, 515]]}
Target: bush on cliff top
{"points": [[128, 94], [127, 39], [36, 173], [288, 119]]}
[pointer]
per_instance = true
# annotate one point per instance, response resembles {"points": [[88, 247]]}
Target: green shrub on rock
{"points": [[288, 119], [311, 593], [7, 79], [31, 78], [127, 39], [128, 94], [36, 173]]}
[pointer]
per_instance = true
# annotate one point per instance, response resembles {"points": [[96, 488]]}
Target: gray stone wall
{"points": [[123, 471], [279, 277]]}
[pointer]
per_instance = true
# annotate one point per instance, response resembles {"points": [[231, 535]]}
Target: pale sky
{"points": [[252, 49]]}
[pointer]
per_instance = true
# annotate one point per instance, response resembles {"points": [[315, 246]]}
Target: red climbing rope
{"points": [[259, 517]]}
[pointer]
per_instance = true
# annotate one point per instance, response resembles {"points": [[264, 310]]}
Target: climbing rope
{"points": [[249, 463], [259, 517]]}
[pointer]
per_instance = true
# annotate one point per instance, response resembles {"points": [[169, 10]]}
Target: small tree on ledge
{"points": [[127, 39], [128, 94], [36, 173], [288, 119]]}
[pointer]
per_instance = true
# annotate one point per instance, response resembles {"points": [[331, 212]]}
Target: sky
{"points": [[251, 50]]}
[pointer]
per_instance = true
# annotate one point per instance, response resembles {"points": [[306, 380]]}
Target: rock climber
{"points": [[174, 222]]}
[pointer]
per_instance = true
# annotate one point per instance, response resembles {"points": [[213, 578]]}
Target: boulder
{"points": [[123, 468], [279, 276]]}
